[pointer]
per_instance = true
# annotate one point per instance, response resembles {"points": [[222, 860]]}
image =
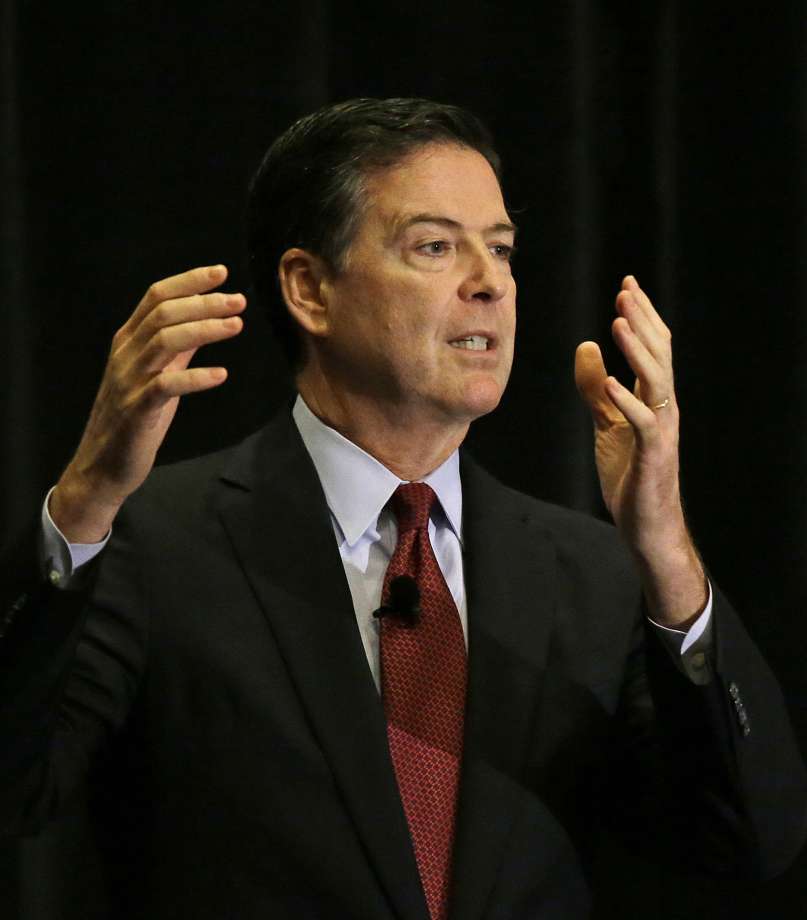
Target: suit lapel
{"points": [[509, 575], [275, 513]]}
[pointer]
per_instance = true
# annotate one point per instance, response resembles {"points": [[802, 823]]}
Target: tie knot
{"points": [[412, 503]]}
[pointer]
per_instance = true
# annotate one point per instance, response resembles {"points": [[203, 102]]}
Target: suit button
{"points": [[734, 691], [54, 577], [698, 661]]}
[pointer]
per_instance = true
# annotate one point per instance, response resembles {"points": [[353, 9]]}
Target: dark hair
{"points": [[310, 189]]}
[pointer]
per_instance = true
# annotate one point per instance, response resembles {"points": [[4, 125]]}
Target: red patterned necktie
{"points": [[423, 681]]}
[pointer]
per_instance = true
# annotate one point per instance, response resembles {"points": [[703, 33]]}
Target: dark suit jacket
{"points": [[212, 683]]}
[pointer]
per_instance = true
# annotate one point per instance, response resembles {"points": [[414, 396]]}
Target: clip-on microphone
{"points": [[404, 601]]}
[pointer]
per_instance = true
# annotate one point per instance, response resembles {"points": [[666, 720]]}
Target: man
{"points": [[271, 647]]}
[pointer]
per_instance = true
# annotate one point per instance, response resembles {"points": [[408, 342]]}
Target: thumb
{"points": [[589, 377]]}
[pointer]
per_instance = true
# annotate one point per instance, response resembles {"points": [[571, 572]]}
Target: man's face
{"points": [[423, 315]]}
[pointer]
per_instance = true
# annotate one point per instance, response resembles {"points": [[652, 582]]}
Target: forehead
{"points": [[442, 179]]}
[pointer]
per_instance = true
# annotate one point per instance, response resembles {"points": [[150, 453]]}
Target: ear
{"points": [[303, 282]]}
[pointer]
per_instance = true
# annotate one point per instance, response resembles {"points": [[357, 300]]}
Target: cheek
{"points": [[395, 314], [414, 316]]}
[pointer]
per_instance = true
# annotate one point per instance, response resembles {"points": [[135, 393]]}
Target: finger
{"points": [[641, 418], [194, 281], [184, 310], [590, 377], [653, 340], [629, 283], [181, 361], [168, 385], [170, 341], [655, 381]]}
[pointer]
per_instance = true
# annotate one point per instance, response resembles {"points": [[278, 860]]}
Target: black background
{"points": [[667, 140]]}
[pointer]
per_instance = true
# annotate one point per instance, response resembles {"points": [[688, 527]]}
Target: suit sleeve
{"points": [[69, 667], [724, 775]]}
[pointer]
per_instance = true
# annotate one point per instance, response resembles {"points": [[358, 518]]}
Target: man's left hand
{"points": [[636, 446]]}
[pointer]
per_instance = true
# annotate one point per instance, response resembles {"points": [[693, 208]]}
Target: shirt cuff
{"points": [[690, 649], [59, 560]]}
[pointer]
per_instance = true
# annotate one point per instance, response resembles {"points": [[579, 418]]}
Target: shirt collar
{"points": [[357, 486]]}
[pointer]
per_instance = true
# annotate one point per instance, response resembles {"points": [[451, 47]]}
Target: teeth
{"points": [[471, 342]]}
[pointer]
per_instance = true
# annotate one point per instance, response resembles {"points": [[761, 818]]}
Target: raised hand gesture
{"points": [[636, 447], [146, 374]]}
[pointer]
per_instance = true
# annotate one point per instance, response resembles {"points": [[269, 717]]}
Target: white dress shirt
{"points": [[357, 488]]}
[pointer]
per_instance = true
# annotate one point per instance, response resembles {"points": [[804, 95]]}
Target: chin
{"points": [[481, 396]]}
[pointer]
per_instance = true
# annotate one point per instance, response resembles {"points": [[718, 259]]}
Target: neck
{"points": [[407, 442]]}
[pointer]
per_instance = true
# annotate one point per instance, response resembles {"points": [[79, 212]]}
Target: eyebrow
{"points": [[405, 222]]}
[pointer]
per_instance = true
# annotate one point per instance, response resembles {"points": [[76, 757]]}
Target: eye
{"points": [[503, 251], [434, 248]]}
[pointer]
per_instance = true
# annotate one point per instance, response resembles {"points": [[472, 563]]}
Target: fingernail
{"points": [[215, 270]]}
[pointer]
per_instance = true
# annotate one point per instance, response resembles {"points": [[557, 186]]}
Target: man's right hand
{"points": [[145, 375]]}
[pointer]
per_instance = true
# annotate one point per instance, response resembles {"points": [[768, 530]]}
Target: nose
{"points": [[486, 277]]}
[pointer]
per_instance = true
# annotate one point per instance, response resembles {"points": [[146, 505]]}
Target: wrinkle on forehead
{"points": [[431, 183], [403, 221]]}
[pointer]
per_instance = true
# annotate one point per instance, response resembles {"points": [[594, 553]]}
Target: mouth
{"points": [[473, 343]]}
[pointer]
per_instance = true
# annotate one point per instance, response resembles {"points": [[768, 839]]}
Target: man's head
{"points": [[310, 190], [385, 225]]}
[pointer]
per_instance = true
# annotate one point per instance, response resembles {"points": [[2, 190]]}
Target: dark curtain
{"points": [[664, 139]]}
